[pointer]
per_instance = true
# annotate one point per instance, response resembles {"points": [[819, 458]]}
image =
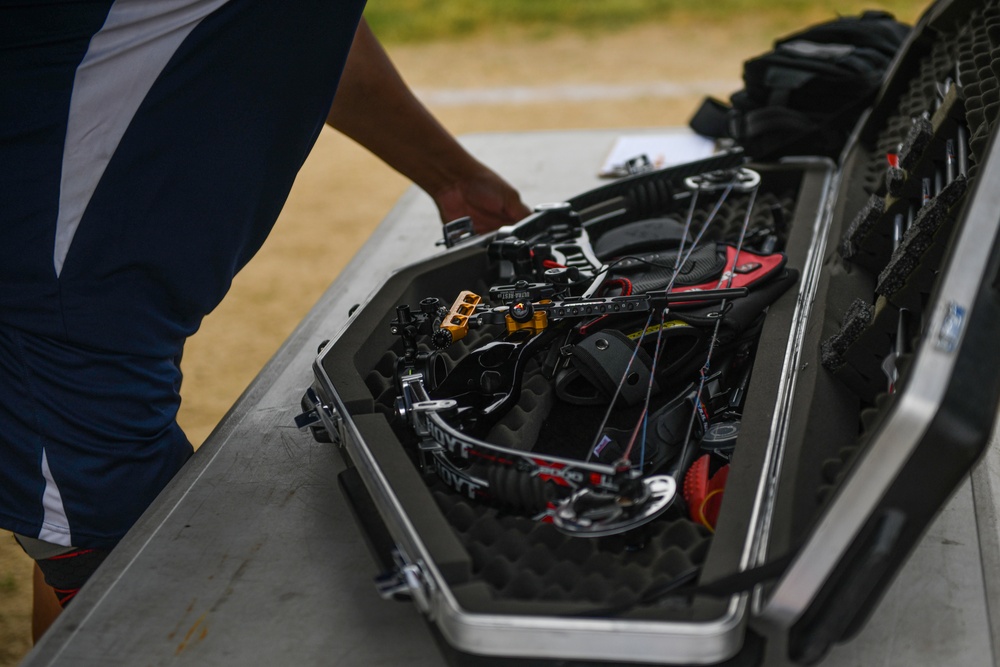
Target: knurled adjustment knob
{"points": [[442, 339]]}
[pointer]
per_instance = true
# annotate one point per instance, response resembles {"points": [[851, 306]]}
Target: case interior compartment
{"points": [[521, 566]]}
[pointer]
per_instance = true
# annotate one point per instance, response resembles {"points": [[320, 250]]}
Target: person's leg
{"points": [[60, 572], [46, 607]]}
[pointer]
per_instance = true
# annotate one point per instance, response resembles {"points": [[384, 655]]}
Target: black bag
{"points": [[804, 97]]}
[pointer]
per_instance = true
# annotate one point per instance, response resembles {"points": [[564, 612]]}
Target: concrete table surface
{"points": [[251, 556]]}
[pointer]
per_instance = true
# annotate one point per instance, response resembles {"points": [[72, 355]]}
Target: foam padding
{"points": [[521, 559], [856, 319], [960, 52], [861, 228], [917, 140], [921, 236]]}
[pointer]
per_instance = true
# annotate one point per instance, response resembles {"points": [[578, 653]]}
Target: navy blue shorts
{"points": [[88, 438], [146, 149]]}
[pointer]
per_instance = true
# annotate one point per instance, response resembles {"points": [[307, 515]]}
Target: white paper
{"points": [[663, 150]]}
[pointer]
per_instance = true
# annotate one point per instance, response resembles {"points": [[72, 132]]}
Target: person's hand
{"points": [[376, 108], [489, 200]]}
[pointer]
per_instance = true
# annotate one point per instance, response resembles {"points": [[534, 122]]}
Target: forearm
{"points": [[374, 107]]}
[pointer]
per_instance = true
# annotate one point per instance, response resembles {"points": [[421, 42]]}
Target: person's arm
{"points": [[375, 107]]}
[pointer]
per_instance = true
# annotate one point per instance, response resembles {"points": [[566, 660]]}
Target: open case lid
{"points": [[919, 439]]}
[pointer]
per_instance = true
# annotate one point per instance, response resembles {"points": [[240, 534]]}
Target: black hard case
{"points": [[834, 479]]}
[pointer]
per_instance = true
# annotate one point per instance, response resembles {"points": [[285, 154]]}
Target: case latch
{"points": [[407, 580], [320, 418]]}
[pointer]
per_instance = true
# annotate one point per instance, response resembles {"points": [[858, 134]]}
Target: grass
{"points": [[428, 20]]}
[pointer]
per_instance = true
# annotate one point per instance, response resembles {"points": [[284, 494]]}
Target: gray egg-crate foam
{"points": [[518, 558], [954, 93]]}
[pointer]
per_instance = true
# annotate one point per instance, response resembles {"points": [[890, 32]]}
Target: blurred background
{"points": [[485, 66]]}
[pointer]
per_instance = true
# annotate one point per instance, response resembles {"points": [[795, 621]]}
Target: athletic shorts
{"points": [[146, 149], [89, 438]]}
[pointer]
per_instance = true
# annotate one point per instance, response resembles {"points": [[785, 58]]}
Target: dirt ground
{"points": [[342, 193]]}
